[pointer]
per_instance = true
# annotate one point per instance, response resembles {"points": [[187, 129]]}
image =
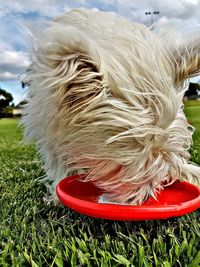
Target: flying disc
{"points": [[175, 200]]}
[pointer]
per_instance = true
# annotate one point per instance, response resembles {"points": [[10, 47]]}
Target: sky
{"points": [[17, 15]]}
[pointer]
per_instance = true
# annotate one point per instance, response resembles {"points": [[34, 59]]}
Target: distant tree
{"points": [[5, 101], [22, 103], [8, 111], [192, 90]]}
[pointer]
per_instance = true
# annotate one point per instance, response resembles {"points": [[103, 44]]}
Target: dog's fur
{"points": [[106, 99]]}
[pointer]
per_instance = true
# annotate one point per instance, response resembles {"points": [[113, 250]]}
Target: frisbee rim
{"points": [[127, 212]]}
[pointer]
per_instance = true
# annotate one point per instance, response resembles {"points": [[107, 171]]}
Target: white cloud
{"points": [[12, 64], [7, 76], [13, 57], [109, 2], [43, 7], [186, 11]]}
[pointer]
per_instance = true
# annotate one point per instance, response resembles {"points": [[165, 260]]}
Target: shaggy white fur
{"points": [[105, 98]]}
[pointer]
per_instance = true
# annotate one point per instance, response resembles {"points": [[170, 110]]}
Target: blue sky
{"points": [[16, 16]]}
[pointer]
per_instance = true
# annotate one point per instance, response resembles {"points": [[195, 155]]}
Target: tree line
{"points": [[7, 105]]}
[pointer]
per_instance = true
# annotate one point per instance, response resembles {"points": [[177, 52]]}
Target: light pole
{"points": [[152, 13]]}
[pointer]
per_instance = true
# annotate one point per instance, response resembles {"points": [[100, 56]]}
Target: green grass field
{"points": [[33, 233]]}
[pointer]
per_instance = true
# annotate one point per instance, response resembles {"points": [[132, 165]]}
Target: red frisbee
{"points": [[175, 200]]}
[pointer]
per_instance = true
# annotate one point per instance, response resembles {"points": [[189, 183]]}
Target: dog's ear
{"points": [[187, 60], [68, 61]]}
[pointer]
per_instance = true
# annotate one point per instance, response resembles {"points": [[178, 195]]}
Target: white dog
{"points": [[105, 99]]}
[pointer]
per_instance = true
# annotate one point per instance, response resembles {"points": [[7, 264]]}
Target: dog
{"points": [[105, 98]]}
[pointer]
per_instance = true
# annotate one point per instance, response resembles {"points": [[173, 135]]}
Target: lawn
{"points": [[33, 233]]}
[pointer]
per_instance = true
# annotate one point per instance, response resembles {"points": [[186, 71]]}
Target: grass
{"points": [[33, 233], [190, 103], [193, 116]]}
